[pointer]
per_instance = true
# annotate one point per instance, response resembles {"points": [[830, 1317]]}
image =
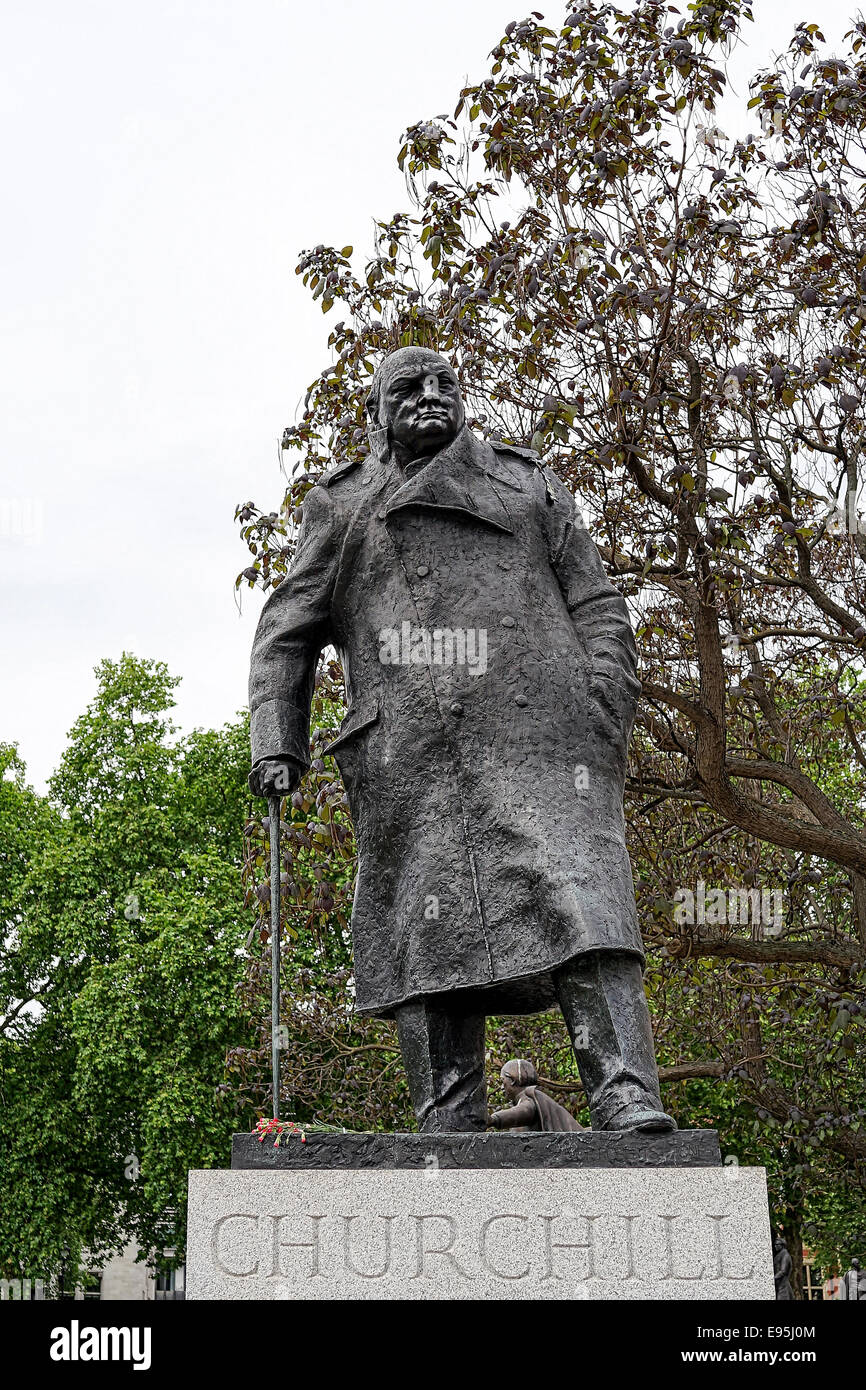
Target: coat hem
{"points": [[501, 996]]}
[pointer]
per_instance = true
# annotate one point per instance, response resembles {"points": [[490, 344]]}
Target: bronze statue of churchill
{"points": [[491, 683]]}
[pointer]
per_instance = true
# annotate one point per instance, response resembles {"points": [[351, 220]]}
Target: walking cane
{"points": [[274, 826]]}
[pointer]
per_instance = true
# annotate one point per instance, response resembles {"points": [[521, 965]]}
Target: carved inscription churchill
{"points": [[507, 1245]]}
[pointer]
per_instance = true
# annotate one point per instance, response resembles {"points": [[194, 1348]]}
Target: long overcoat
{"points": [[491, 684]]}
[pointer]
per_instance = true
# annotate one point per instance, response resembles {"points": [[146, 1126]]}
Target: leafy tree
{"points": [[25, 820], [122, 961], [675, 322]]}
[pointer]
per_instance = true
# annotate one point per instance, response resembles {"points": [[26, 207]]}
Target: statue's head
{"points": [[517, 1074], [415, 397]]}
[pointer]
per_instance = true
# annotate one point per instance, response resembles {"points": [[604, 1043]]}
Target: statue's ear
{"points": [[378, 438]]}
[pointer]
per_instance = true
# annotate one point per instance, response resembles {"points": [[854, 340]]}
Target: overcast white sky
{"points": [[163, 164]]}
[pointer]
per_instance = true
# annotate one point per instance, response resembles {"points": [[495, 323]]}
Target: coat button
{"points": [[456, 707], [508, 621], [521, 700], [421, 571]]}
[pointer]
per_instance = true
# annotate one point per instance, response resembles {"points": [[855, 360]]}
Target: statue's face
{"points": [[420, 403]]}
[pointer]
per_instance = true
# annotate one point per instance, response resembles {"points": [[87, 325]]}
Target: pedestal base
{"points": [[480, 1232]]}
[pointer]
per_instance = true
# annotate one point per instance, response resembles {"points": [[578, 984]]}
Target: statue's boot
{"points": [[443, 1053], [604, 1006]]}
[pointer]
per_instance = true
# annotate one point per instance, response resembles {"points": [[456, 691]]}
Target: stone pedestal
{"points": [[479, 1217]]}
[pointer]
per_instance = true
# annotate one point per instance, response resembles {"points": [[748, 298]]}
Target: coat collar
{"points": [[465, 478]]}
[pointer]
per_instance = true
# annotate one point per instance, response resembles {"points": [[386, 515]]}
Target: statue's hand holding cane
{"points": [[275, 777]]}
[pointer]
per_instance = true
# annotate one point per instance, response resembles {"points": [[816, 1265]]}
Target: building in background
{"points": [[124, 1278]]}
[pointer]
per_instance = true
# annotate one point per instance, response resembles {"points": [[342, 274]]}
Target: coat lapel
{"points": [[456, 480]]}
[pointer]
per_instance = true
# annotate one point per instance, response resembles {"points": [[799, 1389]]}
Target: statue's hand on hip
{"points": [[275, 777], [615, 697]]}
